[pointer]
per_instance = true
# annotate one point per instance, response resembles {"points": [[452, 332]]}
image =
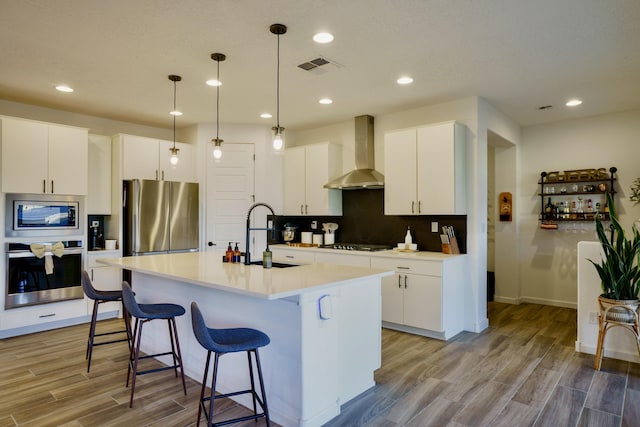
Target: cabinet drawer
{"points": [[344, 259], [293, 256], [429, 268], [27, 316], [93, 257]]}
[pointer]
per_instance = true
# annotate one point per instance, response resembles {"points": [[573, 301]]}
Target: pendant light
{"points": [[217, 142], [278, 131], [174, 151]]}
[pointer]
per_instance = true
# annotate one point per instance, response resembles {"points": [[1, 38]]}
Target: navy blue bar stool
{"points": [[221, 342], [144, 313], [98, 298]]}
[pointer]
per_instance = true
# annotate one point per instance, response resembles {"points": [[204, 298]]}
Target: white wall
{"points": [[547, 257], [96, 125]]}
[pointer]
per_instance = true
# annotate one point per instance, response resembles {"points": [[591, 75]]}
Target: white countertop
{"points": [[391, 253], [207, 269]]}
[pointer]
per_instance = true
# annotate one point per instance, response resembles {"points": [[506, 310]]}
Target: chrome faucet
{"points": [[247, 256]]}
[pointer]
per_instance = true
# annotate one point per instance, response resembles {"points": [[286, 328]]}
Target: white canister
{"points": [[329, 238], [110, 245], [306, 237], [317, 239]]}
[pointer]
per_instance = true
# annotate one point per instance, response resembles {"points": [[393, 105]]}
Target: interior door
{"points": [[230, 193]]}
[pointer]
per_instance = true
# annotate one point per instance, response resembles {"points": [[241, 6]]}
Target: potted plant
{"points": [[618, 270]]}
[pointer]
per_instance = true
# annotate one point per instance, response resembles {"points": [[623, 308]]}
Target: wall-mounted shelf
{"points": [[575, 196]]}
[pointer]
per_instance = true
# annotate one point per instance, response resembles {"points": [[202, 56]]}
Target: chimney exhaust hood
{"points": [[364, 176]]}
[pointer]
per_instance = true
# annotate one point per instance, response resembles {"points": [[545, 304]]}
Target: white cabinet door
{"points": [[423, 301], [139, 157], [392, 299], [106, 279], [24, 156], [99, 194], [306, 170], [42, 314], [400, 173], [323, 162], [43, 158], [440, 169], [294, 180], [68, 160], [185, 170]]}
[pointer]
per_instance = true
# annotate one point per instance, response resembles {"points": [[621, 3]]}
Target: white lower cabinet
{"points": [[44, 313], [423, 297], [104, 278], [292, 256], [329, 257]]}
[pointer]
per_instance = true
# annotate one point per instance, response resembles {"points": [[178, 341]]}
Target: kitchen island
{"points": [[324, 322]]}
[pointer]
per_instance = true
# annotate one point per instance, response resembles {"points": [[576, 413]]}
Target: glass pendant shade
{"points": [[278, 138], [217, 148]]}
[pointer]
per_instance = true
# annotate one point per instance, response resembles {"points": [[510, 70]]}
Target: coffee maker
{"points": [[96, 236]]}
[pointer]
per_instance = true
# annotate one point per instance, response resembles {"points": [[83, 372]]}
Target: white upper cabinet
{"points": [[148, 158], [44, 158], [306, 170], [425, 170], [99, 196]]}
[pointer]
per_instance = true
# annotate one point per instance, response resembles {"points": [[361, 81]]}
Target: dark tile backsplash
{"points": [[363, 221]]}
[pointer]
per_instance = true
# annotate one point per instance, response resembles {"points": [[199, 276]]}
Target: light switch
{"points": [[434, 227]]}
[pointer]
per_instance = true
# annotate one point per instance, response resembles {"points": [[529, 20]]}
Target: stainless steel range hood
{"points": [[363, 176]]}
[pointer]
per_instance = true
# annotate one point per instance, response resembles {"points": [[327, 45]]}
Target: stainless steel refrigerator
{"points": [[160, 217]]}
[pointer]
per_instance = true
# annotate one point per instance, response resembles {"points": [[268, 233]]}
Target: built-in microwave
{"points": [[43, 215]]}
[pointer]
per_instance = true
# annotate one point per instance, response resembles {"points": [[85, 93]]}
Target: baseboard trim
{"points": [[620, 355], [534, 300]]}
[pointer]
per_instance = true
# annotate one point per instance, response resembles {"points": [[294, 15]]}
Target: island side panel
{"points": [[280, 319], [312, 365]]}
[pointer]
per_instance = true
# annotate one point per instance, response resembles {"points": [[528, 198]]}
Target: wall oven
{"points": [[43, 272]]}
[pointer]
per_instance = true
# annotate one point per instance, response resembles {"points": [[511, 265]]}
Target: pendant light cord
{"points": [[278, 88], [218, 105], [174, 114]]}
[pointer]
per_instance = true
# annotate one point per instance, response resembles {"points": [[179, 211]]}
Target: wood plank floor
{"points": [[521, 371]]}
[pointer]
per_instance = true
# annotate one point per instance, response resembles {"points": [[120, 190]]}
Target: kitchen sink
{"points": [[275, 264]]}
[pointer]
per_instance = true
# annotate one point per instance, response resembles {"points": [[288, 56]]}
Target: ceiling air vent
{"points": [[319, 65]]}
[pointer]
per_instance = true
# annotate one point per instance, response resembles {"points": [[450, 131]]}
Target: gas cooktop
{"points": [[358, 247]]}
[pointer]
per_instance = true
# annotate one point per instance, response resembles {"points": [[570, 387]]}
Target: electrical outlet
{"points": [[95, 223], [314, 225], [434, 227], [593, 317]]}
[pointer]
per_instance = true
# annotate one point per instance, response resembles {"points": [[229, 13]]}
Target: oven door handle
{"points": [[29, 254]]}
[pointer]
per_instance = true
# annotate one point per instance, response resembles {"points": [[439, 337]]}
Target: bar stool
{"points": [[221, 342], [144, 313], [98, 298]]}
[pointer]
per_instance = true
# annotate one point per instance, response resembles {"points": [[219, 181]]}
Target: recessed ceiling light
{"points": [[266, 115], [326, 101], [214, 82], [64, 88], [323, 38], [404, 80], [573, 102], [175, 113]]}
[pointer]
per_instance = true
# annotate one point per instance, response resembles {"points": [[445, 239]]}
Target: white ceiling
{"points": [[517, 54]]}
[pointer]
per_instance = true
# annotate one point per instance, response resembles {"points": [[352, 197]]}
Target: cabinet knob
{"points": [[211, 244]]}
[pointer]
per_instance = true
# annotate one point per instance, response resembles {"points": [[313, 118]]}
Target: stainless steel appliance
{"points": [[43, 215], [31, 281], [358, 247], [160, 217]]}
